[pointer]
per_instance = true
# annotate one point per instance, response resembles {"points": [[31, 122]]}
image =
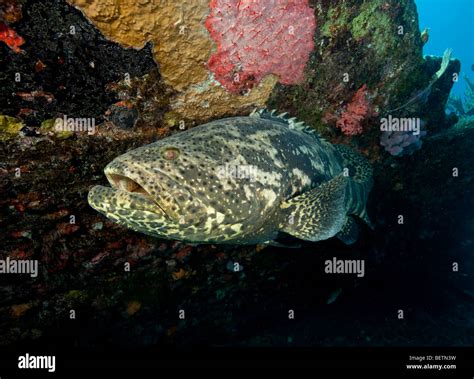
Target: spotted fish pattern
{"points": [[239, 180]]}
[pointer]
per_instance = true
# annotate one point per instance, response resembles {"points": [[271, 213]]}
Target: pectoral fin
{"points": [[317, 214]]}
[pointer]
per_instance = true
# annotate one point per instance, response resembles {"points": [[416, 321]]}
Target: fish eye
{"points": [[170, 153]]}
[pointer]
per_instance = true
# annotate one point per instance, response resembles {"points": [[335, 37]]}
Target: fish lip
{"points": [[113, 173], [97, 191], [99, 207]]}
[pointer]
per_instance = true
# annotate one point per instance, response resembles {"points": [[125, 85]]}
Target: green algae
{"points": [[9, 127], [337, 18], [375, 25], [48, 126], [76, 296]]}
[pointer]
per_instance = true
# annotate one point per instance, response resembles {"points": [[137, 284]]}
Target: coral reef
{"points": [[210, 100], [423, 94], [10, 12], [145, 97], [351, 37], [378, 46], [254, 40], [45, 175], [182, 47]]}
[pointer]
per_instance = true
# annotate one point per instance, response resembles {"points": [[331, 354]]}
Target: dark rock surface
{"points": [[66, 57]]}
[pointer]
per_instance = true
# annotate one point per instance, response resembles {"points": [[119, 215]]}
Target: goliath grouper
{"points": [[239, 180]]}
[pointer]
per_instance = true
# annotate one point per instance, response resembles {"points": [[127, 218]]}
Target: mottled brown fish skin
{"points": [[183, 187]]}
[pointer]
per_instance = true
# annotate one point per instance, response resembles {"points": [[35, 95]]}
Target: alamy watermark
{"points": [[45, 362], [248, 172], [397, 124], [23, 266], [345, 266], [78, 124]]}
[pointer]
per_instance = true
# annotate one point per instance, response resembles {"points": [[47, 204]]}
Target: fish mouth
{"points": [[133, 210], [123, 183]]}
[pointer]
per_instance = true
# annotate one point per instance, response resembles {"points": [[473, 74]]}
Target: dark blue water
{"points": [[451, 25]]}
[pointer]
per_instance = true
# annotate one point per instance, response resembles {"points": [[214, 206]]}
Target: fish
{"points": [[425, 35], [247, 180]]}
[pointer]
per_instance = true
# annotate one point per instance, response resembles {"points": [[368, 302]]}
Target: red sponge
{"points": [[356, 112], [259, 37]]}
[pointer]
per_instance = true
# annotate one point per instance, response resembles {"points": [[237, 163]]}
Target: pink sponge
{"points": [[259, 37]]}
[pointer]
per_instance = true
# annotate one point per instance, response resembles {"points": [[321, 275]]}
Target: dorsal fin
{"points": [[292, 123]]}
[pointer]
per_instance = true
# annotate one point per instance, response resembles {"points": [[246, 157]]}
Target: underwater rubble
{"points": [[138, 80]]}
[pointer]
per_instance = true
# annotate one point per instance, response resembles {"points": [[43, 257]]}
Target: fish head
{"points": [[171, 189]]}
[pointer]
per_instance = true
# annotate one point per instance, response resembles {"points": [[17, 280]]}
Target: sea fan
{"points": [[422, 95]]}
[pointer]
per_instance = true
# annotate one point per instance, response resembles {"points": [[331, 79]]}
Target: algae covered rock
{"points": [[374, 45]]}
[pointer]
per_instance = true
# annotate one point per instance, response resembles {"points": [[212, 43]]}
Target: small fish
{"points": [[425, 36], [239, 180]]}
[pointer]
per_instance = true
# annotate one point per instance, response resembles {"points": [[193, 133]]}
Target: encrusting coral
{"points": [[202, 74]]}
